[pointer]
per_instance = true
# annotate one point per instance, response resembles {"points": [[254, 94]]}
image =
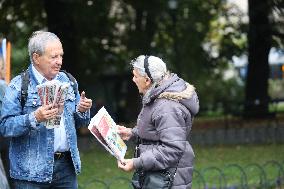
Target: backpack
{"points": [[25, 84]]}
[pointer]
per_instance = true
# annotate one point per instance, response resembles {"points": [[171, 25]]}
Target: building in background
{"points": [[276, 64]]}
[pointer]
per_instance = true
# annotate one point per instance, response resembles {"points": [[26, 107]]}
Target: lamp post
{"points": [[173, 5]]}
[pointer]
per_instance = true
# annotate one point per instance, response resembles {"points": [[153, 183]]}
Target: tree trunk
{"points": [[60, 20], [259, 44]]}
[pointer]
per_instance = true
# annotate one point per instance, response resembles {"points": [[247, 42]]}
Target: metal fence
{"points": [[247, 135], [269, 175]]}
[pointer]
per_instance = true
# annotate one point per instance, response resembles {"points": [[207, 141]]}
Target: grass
{"points": [[98, 165], [240, 155]]}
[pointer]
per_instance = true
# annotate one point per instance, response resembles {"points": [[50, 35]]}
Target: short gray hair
{"points": [[38, 41], [157, 67]]}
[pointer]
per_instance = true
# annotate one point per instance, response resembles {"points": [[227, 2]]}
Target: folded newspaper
{"points": [[53, 92], [104, 129]]}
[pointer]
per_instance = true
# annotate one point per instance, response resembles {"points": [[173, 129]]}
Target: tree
{"points": [[259, 43], [101, 37], [17, 20], [277, 22], [61, 21]]}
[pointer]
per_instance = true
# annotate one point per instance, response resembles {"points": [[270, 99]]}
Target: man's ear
{"points": [[36, 58]]}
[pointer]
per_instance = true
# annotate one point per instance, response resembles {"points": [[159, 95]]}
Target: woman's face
{"points": [[142, 82]]}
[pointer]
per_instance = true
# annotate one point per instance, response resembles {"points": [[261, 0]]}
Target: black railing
{"points": [[269, 175]]}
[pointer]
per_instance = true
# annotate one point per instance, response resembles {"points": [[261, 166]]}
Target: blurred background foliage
{"points": [[197, 40]]}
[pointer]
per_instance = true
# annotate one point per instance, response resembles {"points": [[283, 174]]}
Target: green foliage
{"points": [[226, 97], [277, 22], [18, 20], [197, 40]]}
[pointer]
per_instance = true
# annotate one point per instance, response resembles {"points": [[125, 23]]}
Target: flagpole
{"points": [[8, 63]]}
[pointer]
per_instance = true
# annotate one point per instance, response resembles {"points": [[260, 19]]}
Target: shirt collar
{"points": [[39, 77]]}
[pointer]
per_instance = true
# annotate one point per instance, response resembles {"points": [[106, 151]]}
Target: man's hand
{"points": [[127, 165], [124, 132], [85, 103], [46, 112]]}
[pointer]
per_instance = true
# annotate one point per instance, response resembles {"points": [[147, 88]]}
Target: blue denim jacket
{"points": [[32, 148]]}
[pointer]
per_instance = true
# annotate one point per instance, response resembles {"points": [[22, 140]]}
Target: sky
{"points": [[243, 4]]}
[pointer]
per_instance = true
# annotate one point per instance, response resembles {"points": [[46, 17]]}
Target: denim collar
{"points": [[38, 76]]}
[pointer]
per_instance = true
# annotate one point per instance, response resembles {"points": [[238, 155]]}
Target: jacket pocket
{"points": [[32, 103]]}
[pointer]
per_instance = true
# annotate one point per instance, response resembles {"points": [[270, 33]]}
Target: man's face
{"points": [[50, 62], [141, 82]]}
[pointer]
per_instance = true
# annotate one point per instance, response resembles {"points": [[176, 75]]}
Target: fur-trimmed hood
{"points": [[175, 88]]}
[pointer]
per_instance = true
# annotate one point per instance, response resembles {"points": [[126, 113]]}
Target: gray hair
{"points": [[157, 68], [38, 41]]}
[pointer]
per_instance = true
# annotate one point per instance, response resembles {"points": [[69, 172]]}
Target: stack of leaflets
{"points": [[53, 92], [104, 129]]}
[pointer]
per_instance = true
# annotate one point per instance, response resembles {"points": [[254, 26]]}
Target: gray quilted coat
{"points": [[166, 116]]}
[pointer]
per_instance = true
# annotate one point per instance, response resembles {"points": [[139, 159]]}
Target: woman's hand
{"points": [[124, 132], [126, 165]]}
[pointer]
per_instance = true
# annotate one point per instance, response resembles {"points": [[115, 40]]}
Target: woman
{"points": [[164, 123]]}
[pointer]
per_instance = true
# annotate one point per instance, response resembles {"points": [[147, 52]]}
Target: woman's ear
{"points": [[148, 81]]}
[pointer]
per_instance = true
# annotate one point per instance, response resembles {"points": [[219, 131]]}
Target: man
{"points": [[41, 157]]}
